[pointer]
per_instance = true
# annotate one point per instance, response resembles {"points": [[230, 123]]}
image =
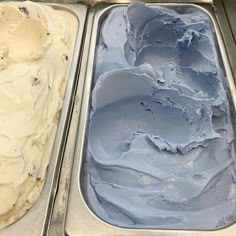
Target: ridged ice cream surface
{"points": [[160, 150], [36, 47]]}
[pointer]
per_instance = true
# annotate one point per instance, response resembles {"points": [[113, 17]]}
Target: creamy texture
{"points": [[160, 150], [36, 47]]}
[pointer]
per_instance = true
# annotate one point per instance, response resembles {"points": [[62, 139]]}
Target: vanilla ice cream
{"points": [[36, 47]]}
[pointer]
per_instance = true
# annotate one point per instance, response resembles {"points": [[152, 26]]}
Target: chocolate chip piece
{"points": [[24, 10], [65, 56], [36, 81]]}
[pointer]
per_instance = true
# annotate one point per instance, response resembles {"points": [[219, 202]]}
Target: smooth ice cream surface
{"points": [[160, 148], [36, 47]]}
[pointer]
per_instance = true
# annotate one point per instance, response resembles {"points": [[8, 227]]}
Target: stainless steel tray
{"points": [[35, 221], [95, 2], [80, 220]]}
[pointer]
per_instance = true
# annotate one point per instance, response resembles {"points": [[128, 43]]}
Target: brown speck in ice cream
{"points": [[35, 81], [24, 10], [65, 57]]}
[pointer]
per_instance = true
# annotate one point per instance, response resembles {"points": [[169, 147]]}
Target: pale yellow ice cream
{"points": [[36, 47]]}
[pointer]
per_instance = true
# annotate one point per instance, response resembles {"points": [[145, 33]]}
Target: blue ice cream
{"points": [[160, 150]]}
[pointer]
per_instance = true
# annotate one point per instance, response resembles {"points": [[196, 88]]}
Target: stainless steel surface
{"points": [[95, 2], [58, 217], [80, 220], [226, 16], [36, 219], [230, 7]]}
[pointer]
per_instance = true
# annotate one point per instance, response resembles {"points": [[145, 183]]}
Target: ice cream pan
{"points": [[80, 219], [36, 220]]}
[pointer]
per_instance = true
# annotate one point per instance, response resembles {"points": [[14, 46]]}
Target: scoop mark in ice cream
{"points": [[160, 150], [17, 29]]}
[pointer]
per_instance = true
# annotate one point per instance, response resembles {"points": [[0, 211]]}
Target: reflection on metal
{"points": [[230, 8], [226, 20], [34, 221], [95, 2], [57, 221]]}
